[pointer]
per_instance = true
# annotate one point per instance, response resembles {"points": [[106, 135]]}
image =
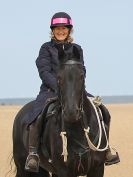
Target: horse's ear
{"points": [[61, 53], [76, 53]]}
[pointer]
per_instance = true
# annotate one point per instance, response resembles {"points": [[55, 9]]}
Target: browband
{"points": [[72, 62]]}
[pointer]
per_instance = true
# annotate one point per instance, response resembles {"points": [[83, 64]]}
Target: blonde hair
{"points": [[69, 38]]}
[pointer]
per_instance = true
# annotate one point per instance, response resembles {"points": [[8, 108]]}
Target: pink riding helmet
{"points": [[61, 19]]}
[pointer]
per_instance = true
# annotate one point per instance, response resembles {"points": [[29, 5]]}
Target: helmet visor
{"points": [[61, 22]]}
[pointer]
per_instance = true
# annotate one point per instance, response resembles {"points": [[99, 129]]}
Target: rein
{"points": [[101, 125], [87, 131]]}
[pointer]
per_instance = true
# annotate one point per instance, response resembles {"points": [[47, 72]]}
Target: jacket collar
{"points": [[54, 42]]}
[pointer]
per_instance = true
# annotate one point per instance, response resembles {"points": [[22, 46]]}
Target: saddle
{"points": [[49, 108]]}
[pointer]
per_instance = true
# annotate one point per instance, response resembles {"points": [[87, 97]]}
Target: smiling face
{"points": [[61, 33]]}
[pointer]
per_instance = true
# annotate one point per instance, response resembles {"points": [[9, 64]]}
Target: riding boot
{"points": [[32, 162], [110, 158]]}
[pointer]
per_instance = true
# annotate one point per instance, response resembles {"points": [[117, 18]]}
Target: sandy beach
{"points": [[121, 138]]}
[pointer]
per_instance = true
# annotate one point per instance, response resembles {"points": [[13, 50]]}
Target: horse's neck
{"points": [[75, 131], [74, 127]]}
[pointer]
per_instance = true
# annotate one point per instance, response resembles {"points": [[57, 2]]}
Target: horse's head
{"points": [[71, 85]]}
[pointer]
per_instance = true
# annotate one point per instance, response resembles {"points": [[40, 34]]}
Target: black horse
{"points": [[66, 149]]}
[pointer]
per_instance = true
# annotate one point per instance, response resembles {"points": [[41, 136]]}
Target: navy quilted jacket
{"points": [[48, 62]]}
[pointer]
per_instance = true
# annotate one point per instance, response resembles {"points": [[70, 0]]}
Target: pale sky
{"points": [[104, 29]]}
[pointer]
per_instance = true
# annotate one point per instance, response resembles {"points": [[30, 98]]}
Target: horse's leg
{"points": [[53, 175], [32, 174], [97, 171], [64, 173], [43, 173], [22, 173]]}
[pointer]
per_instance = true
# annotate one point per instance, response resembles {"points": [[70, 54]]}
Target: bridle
{"points": [[80, 108], [86, 130]]}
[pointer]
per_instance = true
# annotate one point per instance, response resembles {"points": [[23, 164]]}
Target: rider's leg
{"points": [[110, 158], [32, 162]]}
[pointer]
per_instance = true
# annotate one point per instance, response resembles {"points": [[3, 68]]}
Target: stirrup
{"points": [[35, 157], [115, 159]]}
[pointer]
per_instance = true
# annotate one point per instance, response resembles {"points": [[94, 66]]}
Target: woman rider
{"points": [[47, 64]]}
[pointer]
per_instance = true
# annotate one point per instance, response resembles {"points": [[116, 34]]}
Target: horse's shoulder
{"points": [[28, 105], [24, 111]]}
